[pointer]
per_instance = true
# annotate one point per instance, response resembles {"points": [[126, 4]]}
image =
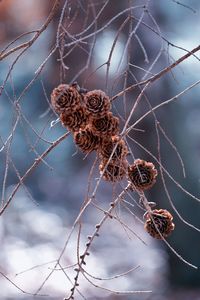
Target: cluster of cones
{"points": [[87, 115]]}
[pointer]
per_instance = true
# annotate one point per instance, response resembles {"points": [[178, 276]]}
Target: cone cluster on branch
{"points": [[87, 115]]}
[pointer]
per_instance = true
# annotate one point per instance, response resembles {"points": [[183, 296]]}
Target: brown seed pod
{"points": [[97, 103], [115, 170], [86, 140], [108, 145], [65, 97], [163, 221], [107, 125], [142, 175], [75, 120]]}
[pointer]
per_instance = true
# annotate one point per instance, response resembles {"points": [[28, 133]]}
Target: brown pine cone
{"points": [[108, 144], [142, 175], [97, 103], [107, 125], [86, 140], [115, 170], [65, 97], [75, 120], [163, 221]]}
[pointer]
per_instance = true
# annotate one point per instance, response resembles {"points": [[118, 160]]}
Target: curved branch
{"points": [[158, 75], [38, 33]]}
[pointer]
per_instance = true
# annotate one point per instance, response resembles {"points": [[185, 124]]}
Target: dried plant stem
{"points": [[36, 36], [35, 164], [162, 104], [158, 75], [91, 239]]}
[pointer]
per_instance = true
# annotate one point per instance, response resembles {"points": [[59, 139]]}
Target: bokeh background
{"points": [[35, 226]]}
